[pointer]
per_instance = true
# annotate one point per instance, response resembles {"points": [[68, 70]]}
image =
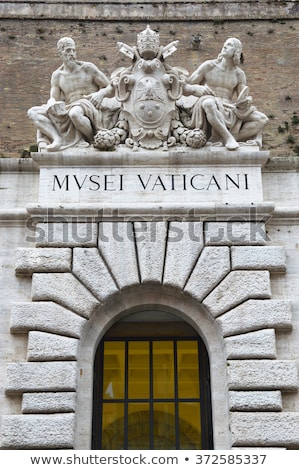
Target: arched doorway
{"points": [[152, 386]]}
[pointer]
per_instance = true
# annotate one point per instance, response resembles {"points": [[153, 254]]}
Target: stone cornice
{"points": [[153, 10]]}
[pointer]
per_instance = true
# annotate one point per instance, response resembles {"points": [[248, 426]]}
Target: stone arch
{"points": [[75, 284], [133, 300]]}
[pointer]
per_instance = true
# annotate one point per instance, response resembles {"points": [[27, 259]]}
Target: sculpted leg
{"points": [[217, 122], [252, 126], [45, 126], [82, 123]]}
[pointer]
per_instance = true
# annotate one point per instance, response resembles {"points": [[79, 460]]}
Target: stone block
{"points": [[211, 267], [256, 345], [30, 260], [235, 233], [41, 377], [256, 314], [255, 401], [45, 316], [150, 241], [262, 375], [90, 269], [272, 258], [54, 431], [117, 246], [237, 287], [66, 234], [52, 402], [265, 429], [184, 244], [64, 289], [48, 347]]}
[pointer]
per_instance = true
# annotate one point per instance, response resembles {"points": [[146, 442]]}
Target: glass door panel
{"points": [[113, 426], [114, 370], [189, 426], [138, 369], [163, 369], [188, 369], [138, 426], [164, 426]]}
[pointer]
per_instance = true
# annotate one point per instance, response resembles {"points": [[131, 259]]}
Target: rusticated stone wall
{"points": [[268, 31]]}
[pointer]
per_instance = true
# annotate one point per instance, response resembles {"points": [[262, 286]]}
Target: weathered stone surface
{"points": [[257, 345], [265, 429], [91, 270], [30, 260], [54, 431], [262, 375], [64, 234], [237, 287], [52, 402], [64, 289], [184, 243], [150, 241], [255, 314], [211, 267], [255, 401], [48, 347], [45, 316], [117, 247], [235, 233], [41, 376], [272, 258]]}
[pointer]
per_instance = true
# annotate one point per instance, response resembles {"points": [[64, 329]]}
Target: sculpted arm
{"points": [[196, 83], [55, 90], [198, 76], [100, 78]]}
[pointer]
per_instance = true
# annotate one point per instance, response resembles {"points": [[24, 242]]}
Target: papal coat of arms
{"points": [[148, 91]]}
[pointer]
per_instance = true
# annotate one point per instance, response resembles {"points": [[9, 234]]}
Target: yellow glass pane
{"points": [[164, 426], [138, 369], [163, 369], [138, 426], [113, 426], [114, 370], [190, 426], [188, 373]]}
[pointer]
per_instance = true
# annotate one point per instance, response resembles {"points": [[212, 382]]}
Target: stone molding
{"points": [[153, 10], [235, 294]]}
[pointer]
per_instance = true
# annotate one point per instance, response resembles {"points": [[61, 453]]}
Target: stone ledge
{"points": [[180, 156], [45, 316], [237, 287], [256, 345], [64, 289], [54, 431], [256, 314], [255, 401], [151, 10], [30, 260], [49, 347], [272, 258], [64, 234], [41, 377], [94, 212], [262, 375], [236, 233], [265, 429], [52, 402]]}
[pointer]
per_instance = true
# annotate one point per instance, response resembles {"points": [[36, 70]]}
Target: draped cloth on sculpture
{"points": [[233, 114], [70, 136]]}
